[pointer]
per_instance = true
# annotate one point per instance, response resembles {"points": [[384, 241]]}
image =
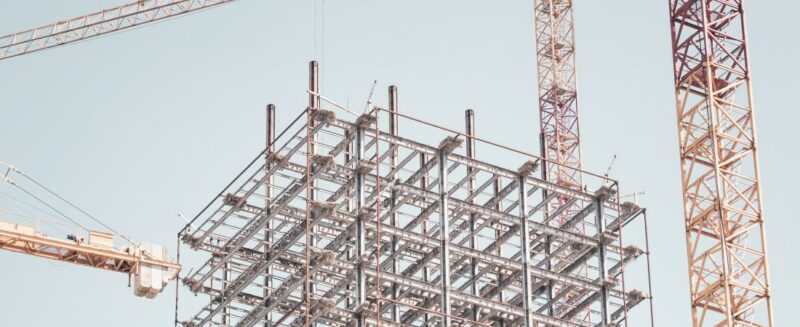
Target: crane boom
{"points": [[24, 239], [98, 23], [726, 242], [146, 262], [98, 253]]}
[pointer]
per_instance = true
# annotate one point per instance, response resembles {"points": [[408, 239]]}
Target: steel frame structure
{"points": [[403, 233], [726, 242]]}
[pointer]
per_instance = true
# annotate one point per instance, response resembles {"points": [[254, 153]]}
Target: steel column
{"points": [[393, 129], [361, 279], [269, 188], [525, 248], [444, 235]]}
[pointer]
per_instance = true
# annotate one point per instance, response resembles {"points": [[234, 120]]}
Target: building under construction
{"points": [[345, 221], [342, 220]]}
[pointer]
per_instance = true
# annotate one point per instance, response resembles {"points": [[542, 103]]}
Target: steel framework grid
{"points": [[726, 242], [321, 188]]}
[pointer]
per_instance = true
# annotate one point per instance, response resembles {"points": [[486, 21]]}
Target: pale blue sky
{"points": [[140, 125]]}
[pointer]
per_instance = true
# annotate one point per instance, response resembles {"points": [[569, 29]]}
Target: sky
{"points": [[138, 126]]}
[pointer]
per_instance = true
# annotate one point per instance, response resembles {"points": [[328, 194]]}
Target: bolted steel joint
{"points": [[322, 208], [365, 121], [364, 166], [630, 207], [323, 162], [323, 116], [233, 200], [604, 193], [528, 168], [449, 144]]}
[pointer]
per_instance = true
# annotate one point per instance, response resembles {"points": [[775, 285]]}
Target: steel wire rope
{"points": [[97, 220], [53, 193]]}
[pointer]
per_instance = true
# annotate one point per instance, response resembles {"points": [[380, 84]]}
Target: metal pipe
{"points": [[268, 191], [548, 241], [525, 247], [393, 130], [311, 193], [226, 280], [177, 285], [423, 183], [361, 280], [649, 276], [601, 264], [469, 118], [444, 234]]}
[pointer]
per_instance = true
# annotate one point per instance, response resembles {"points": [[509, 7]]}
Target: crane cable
{"points": [[97, 220]]}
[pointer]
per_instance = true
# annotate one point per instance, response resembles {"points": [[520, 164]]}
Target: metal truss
{"points": [[350, 224], [725, 237], [96, 24], [23, 239], [558, 110], [558, 91]]}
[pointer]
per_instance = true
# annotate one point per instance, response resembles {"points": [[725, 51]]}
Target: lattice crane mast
{"points": [[724, 216], [99, 23], [558, 95], [146, 263], [558, 112]]}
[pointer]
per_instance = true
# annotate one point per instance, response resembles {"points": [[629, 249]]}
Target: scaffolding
{"points": [[348, 223]]}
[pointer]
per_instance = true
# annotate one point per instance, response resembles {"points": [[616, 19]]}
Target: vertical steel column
{"points": [[473, 241], [393, 130], [496, 187], [226, 280], [527, 292], [177, 285], [361, 280], [444, 234], [548, 240], [313, 105], [649, 271], [600, 223], [348, 157], [423, 184], [268, 191]]}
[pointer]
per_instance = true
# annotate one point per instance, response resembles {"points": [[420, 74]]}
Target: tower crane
{"points": [[558, 92], [558, 111], [725, 238], [146, 263], [726, 242]]}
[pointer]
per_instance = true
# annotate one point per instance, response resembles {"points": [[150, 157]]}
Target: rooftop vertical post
{"points": [[269, 188], [469, 120], [393, 130]]}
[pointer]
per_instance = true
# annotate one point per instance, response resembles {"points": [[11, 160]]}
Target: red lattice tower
{"points": [[558, 104], [726, 244], [558, 108]]}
